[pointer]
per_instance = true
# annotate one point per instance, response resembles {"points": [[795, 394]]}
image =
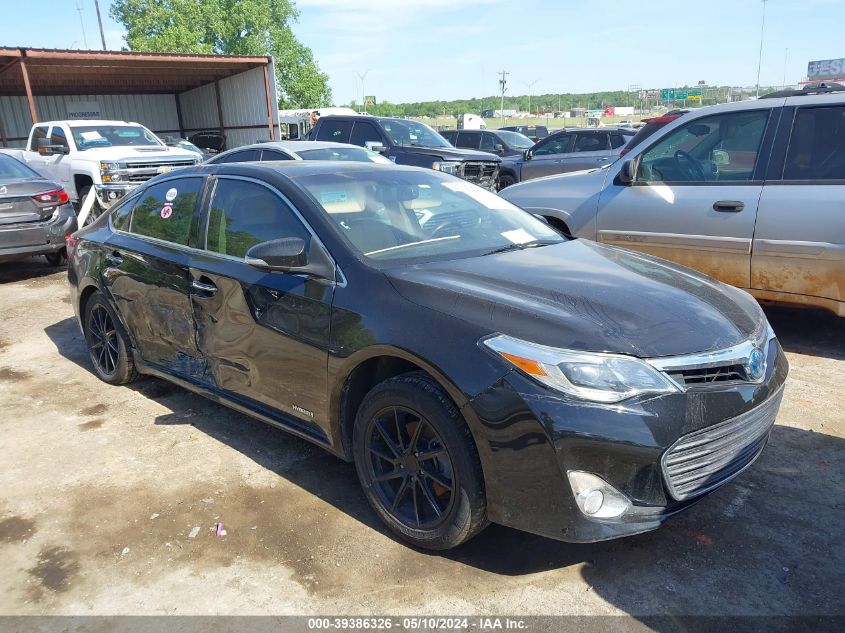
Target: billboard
{"points": [[826, 69]]}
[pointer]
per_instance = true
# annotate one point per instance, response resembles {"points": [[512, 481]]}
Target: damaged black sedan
{"points": [[474, 364]]}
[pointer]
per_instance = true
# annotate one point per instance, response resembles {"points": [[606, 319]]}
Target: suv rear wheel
{"points": [[418, 464]]}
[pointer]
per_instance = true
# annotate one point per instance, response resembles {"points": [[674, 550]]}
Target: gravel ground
{"points": [[102, 488]]}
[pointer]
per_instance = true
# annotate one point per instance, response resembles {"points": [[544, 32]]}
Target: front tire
{"points": [[108, 343], [56, 259], [418, 464], [506, 181]]}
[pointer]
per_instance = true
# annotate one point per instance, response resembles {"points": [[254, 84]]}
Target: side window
{"points": [[38, 132], [58, 136], [817, 145], [488, 142], [722, 147], [365, 132], [272, 154], [335, 129], [243, 156], [122, 213], [590, 142], [449, 136], [553, 145], [617, 140], [467, 140], [165, 210], [244, 214]]}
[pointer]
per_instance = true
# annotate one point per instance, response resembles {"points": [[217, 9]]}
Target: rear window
{"points": [[12, 168], [165, 210], [334, 129]]}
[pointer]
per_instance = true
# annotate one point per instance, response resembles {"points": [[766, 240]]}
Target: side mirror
{"points": [[527, 154], [46, 149], [289, 255], [498, 148], [376, 147], [628, 172]]}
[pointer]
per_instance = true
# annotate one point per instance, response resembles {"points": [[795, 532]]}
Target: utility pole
{"points": [[785, 57], [760, 57], [100, 20], [82, 24], [503, 82], [363, 76], [529, 85]]}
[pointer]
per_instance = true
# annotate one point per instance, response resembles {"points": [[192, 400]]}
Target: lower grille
{"points": [[705, 459]]}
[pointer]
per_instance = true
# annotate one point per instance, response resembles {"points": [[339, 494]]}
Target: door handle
{"points": [[203, 288], [728, 206], [114, 258]]}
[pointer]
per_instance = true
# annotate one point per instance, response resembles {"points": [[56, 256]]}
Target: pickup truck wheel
{"points": [[417, 463], [93, 213], [505, 181]]}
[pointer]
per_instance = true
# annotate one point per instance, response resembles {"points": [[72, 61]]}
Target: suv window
{"points": [[489, 142], [617, 140], [274, 154], [468, 140], [817, 145], [365, 132], [121, 214], [334, 129], [590, 142], [553, 145], [244, 214], [58, 136], [722, 147], [165, 210], [449, 135], [39, 131]]}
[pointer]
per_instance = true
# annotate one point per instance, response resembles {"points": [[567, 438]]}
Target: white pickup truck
{"points": [[112, 157]]}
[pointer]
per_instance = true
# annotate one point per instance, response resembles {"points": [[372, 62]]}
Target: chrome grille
{"points": [[479, 172], [705, 459], [157, 164]]}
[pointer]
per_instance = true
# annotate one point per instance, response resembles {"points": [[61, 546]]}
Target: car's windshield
{"points": [[11, 168], [89, 136], [421, 215], [516, 140], [413, 133], [357, 154]]}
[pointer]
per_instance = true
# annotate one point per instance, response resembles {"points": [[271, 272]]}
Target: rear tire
{"points": [[108, 343], [59, 258], [506, 181], [418, 464]]}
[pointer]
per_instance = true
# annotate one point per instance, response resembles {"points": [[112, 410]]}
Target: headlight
{"points": [[104, 166], [447, 167], [586, 375]]}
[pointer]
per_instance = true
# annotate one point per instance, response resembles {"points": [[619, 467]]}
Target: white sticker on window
{"points": [[518, 236], [91, 136], [171, 194]]}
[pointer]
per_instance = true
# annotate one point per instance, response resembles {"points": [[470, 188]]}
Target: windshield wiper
{"points": [[523, 246]]}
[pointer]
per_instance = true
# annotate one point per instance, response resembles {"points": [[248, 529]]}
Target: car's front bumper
{"points": [[108, 195], [530, 437], [37, 238]]}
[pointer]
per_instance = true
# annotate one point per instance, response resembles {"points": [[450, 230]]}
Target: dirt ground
{"points": [[101, 487]]}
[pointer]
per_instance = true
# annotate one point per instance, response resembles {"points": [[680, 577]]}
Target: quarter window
{"points": [[165, 210], [243, 156], [720, 148], [365, 132], [817, 145], [244, 214], [467, 140]]}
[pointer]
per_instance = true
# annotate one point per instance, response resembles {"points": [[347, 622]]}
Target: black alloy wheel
{"points": [[418, 464], [410, 468], [108, 344]]}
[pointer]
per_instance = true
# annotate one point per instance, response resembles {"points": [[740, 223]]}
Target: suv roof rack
{"points": [[810, 89]]}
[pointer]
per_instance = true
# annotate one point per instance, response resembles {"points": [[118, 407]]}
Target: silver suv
{"points": [[751, 193]]}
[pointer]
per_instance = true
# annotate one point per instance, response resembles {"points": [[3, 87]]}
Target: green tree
{"points": [[229, 27]]}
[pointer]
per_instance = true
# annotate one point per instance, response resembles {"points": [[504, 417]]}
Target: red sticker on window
{"points": [[166, 211]]}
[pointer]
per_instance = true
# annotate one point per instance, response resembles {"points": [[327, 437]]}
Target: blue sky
{"points": [[419, 50]]}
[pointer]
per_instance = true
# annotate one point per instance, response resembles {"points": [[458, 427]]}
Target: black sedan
{"points": [[473, 363], [35, 214]]}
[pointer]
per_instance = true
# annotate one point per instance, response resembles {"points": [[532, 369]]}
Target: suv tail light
{"points": [[71, 240], [51, 198]]}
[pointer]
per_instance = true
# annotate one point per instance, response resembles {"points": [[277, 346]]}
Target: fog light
{"points": [[112, 195], [595, 497]]}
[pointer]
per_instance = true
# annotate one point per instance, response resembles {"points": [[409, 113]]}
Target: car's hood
{"points": [[451, 153], [586, 296], [141, 153]]}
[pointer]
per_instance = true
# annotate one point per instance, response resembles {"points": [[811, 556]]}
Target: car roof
{"points": [[294, 169], [295, 146], [87, 122]]}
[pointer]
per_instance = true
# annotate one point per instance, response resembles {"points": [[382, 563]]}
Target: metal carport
{"points": [[170, 93]]}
